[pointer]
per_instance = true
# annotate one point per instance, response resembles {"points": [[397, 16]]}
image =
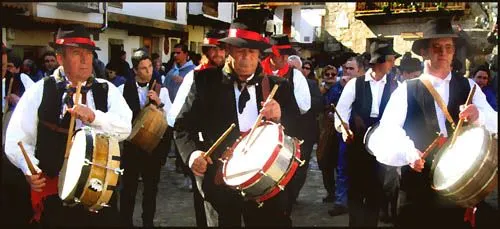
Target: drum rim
{"points": [[368, 134], [460, 183], [89, 151], [274, 155]]}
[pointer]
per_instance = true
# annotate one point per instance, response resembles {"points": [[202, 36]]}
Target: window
{"points": [[171, 10], [173, 43], [210, 8], [192, 46], [116, 4]]}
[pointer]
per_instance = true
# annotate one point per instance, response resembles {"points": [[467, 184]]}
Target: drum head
{"points": [[243, 166], [454, 162], [73, 165]]}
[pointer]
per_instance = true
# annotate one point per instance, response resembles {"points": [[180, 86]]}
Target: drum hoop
{"points": [[255, 178], [483, 152], [367, 136], [89, 150], [285, 179]]}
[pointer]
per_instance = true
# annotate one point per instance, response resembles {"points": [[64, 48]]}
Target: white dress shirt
{"points": [[24, 122], [399, 149], [344, 106], [300, 90], [143, 97]]}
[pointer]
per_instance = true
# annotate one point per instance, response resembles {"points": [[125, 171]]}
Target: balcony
{"points": [[83, 7], [365, 10]]}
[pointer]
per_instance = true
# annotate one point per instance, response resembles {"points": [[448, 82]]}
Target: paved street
{"points": [[175, 204]]}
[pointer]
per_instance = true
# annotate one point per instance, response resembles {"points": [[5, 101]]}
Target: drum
{"points": [[467, 171], [148, 128], [366, 138], [90, 174], [261, 169]]}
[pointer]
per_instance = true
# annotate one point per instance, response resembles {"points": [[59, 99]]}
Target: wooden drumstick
{"points": [[28, 161], [217, 143], [72, 121], [461, 121], [432, 146], [8, 93], [350, 135], [259, 118]]}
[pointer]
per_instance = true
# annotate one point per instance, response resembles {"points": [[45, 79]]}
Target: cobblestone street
{"points": [[175, 202]]}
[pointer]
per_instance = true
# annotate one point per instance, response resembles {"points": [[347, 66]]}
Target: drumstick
{"points": [[432, 146], [72, 121], [217, 143], [259, 118], [344, 124], [461, 121], [8, 93], [152, 88], [28, 161]]}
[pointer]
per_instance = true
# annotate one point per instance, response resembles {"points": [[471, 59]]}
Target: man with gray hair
{"points": [[295, 61]]}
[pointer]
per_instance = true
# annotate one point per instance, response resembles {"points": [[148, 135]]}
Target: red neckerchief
{"points": [[37, 198], [266, 66]]}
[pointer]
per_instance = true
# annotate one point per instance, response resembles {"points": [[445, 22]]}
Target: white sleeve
{"points": [[165, 99], [23, 127], [27, 81], [344, 106], [301, 91], [118, 119], [487, 116], [389, 142], [180, 98]]}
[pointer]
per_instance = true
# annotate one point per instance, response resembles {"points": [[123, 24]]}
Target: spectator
{"points": [[29, 68], [49, 63], [410, 68], [180, 68], [329, 78], [112, 74], [308, 70], [123, 66], [99, 67], [482, 77], [295, 62]]}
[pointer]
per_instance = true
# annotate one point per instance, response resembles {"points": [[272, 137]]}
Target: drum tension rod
{"points": [[301, 162], [260, 204], [116, 170]]}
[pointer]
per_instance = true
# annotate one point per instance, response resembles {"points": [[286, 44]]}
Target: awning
{"points": [[202, 20]]}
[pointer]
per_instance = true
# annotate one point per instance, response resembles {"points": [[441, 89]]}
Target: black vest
{"points": [[360, 118], [51, 144], [132, 97]]}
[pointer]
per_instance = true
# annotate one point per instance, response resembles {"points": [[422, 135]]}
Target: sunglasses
{"points": [[330, 74], [306, 68], [349, 68]]}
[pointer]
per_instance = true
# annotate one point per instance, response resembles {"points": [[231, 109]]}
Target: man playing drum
{"points": [[412, 120], [41, 122], [229, 95], [138, 92]]}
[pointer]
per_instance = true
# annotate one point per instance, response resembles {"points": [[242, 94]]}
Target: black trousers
{"points": [[56, 215], [299, 179], [199, 206], [364, 194], [135, 162], [15, 198], [230, 207]]}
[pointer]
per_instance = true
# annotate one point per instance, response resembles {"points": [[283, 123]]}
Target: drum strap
{"points": [[438, 100]]}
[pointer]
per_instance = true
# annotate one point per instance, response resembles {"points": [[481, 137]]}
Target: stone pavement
{"points": [[175, 202]]}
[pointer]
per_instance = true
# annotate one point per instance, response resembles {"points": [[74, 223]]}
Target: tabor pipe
{"points": [[28, 161], [461, 121], [72, 121], [217, 143]]}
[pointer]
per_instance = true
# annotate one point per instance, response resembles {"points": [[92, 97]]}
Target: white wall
{"points": [[310, 18], [225, 10], [49, 10], [130, 43], [151, 10], [296, 21]]}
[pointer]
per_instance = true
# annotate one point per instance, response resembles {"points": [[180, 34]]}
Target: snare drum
{"points": [[90, 174], [148, 128], [467, 171], [263, 168]]}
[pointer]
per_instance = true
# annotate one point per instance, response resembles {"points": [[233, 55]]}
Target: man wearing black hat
{"points": [[214, 56], [410, 68], [42, 122], [138, 92], [229, 95], [413, 127], [362, 103]]}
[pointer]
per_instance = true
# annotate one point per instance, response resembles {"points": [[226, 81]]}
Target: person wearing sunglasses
{"points": [[482, 77]]}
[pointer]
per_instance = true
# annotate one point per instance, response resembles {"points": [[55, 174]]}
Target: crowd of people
{"points": [[328, 106]]}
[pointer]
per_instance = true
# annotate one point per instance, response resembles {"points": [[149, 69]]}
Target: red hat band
{"points": [[210, 41], [276, 49], [75, 40], [246, 34]]}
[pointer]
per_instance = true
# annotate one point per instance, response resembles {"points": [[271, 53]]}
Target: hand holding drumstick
{"points": [[35, 180]]}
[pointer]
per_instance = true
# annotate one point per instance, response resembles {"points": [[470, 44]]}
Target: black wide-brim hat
{"points": [[74, 35], [437, 28], [246, 33], [280, 43], [379, 50], [213, 36]]}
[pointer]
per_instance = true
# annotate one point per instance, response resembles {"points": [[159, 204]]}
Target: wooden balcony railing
{"points": [[378, 8]]}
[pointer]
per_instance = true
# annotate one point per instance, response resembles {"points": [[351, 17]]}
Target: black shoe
{"points": [[329, 199], [337, 210]]}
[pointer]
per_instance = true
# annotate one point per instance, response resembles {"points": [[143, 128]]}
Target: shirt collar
{"points": [[138, 86], [436, 80], [368, 77]]}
